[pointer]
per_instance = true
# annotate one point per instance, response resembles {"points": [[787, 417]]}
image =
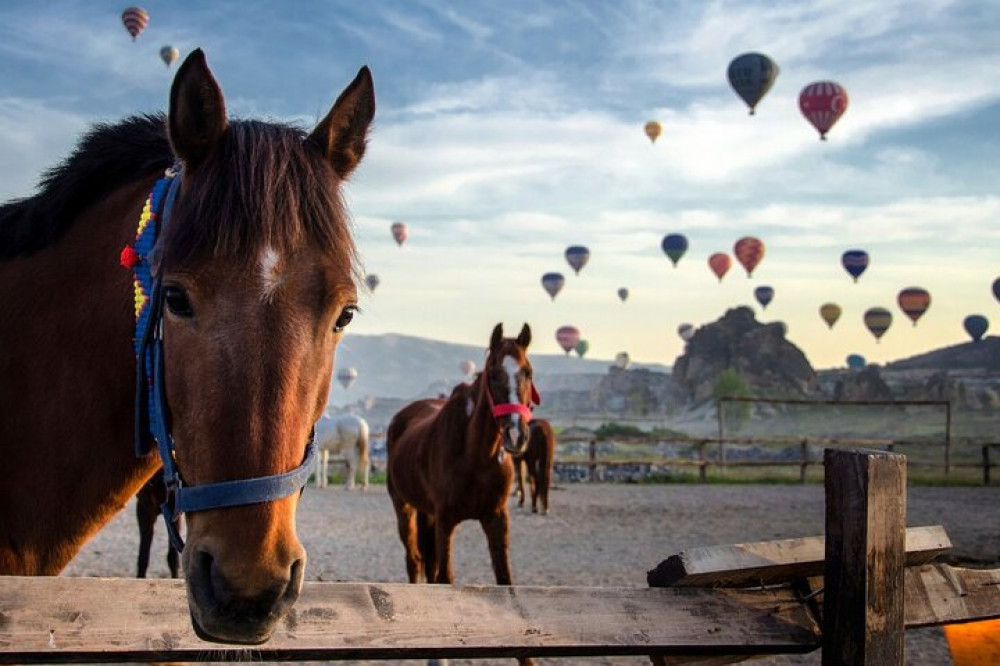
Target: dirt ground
{"points": [[594, 535]]}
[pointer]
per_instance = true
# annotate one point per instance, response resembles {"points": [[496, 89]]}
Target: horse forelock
{"points": [[261, 192]]}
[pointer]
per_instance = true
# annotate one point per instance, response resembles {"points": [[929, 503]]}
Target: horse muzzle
{"points": [[514, 436]]}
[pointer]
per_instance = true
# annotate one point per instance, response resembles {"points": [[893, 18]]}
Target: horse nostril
{"points": [[201, 583], [294, 581]]}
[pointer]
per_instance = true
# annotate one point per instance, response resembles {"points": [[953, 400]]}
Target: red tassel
{"points": [[129, 257]]}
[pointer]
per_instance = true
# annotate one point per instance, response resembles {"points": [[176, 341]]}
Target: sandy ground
{"points": [[603, 534]]}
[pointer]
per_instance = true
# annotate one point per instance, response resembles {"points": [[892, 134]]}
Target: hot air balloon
{"points": [[719, 263], [346, 377], [372, 281], [751, 75], [764, 295], [976, 326], [854, 262], [623, 294], [135, 19], [914, 301], [653, 130], [674, 246], [856, 361], [577, 256], [830, 312], [749, 251], [168, 54], [567, 337], [823, 103], [399, 232], [878, 321], [581, 347], [623, 360], [467, 368], [686, 331], [553, 283], [996, 289]]}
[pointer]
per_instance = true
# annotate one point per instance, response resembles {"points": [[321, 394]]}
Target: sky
{"points": [[506, 132]]}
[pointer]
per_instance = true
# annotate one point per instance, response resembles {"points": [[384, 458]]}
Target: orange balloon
{"points": [[830, 312], [720, 263], [749, 251], [653, 130]]}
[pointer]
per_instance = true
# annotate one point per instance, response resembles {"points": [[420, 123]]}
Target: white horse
{"points": [[343, 435]]}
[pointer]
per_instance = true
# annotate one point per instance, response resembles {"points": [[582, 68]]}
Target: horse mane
{"points": [[108, 157], [261, 187]]}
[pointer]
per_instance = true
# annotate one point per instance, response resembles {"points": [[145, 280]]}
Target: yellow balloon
{"points": [[653, 130]]}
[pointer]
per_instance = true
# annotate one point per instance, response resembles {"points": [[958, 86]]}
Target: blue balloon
{"points": [[975, 326], [674, 246], [996, 289], [577, 256], [856, 361], [552, 283], [764, 295], [854, 262], [751, 75]]}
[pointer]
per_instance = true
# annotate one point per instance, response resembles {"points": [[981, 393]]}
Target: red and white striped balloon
{"points": [[823, 103], [135, 19]]}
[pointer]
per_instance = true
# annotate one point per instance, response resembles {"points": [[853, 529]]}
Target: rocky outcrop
{"points": [[760, 353], [862, 385], [634, 392]]}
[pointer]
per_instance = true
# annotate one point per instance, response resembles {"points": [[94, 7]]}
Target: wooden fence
{"points": [[851, 594]]}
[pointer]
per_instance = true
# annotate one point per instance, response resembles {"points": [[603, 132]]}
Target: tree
{"points": [[731, 384]]}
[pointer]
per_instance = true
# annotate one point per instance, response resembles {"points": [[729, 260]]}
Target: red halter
{"points": [[514, 408]]}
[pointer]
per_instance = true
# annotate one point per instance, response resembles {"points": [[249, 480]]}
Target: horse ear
{"points": [[524, 337], [496, 338], [342, 135], [197, 117]]}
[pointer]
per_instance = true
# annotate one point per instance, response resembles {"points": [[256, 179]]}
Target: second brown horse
{"points": [[451, 461]]}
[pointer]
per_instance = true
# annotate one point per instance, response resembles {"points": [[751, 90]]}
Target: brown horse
{"points": [[258, 273], [537, 459], [147, 512], [448, 461]]}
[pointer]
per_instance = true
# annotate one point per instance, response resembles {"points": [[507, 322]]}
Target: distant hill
{"points": [[983, 355], [406, 367]]}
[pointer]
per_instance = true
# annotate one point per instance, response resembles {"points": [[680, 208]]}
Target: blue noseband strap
{"points": [[151, 417]]}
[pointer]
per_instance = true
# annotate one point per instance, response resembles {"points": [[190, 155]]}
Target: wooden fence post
{"points": [[592, 455], [986, 464], [703, 459], [803, 459], [863, 619]]}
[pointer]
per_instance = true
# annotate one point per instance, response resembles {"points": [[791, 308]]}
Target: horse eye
{"points": [[345, 318], [177, 302]]}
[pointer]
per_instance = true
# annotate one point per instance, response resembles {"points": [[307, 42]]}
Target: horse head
{"points": [[257, 268], [509, 387]]}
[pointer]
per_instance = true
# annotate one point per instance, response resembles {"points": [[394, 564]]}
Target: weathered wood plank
{"points": [[941, 594], [863, 618], [768, 562], [65, 620]]}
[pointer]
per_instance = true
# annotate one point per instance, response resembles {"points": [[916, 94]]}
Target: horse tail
{"points": [[363, 462]]}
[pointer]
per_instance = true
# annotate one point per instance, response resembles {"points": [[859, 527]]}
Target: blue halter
{"points": [[150, 393]]}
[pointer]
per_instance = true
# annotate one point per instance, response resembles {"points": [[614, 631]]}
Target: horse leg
{"points": [[173, 561], [533, 483], [544, 479], [426, 544], [443, 533], [352, 468], [519, 464], [365, 463], [497, 528], [406, 523], [146, 514]]}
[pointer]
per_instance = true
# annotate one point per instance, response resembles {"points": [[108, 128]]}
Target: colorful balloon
{"points": [[830, 312], [719, 263], [914, 301], [854, 262], [856, 361], [823, 103], [553, 283], [577, 256], [653, 130], [399, 232], [764, 295], [168, 54], [878, 321], [135, 19], [372, 281], [623, 294], [623, 360], [751, 75], [467, 368], [567, 337], [674, 246], [581, 347], [976, 326], [749, 251], [996, 289], [686, 331], [346, 377]]}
